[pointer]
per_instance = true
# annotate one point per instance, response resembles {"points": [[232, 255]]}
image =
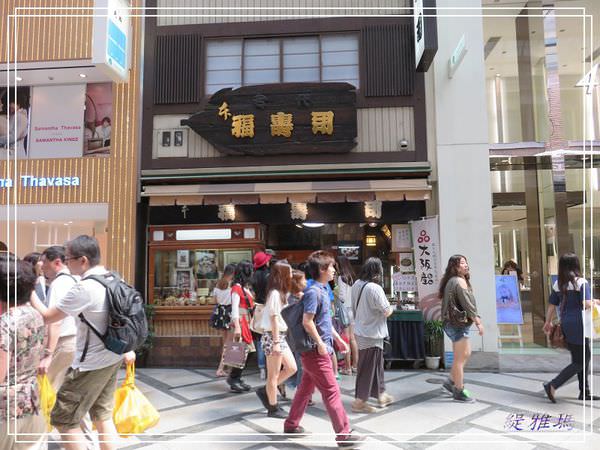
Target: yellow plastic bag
{"points": [[47, 398], [133, 413], [596, 321]]}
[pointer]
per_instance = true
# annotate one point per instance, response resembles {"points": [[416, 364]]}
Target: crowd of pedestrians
{"points": [[53, 306], [52, 337]]}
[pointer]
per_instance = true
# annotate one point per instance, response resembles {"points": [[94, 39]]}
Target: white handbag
{"points": [[591, 322]]}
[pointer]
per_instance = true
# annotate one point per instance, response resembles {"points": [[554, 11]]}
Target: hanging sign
{"points": [[426, 250], [275, 119]]}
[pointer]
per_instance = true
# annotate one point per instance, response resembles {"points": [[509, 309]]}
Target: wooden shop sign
{"points": [[277, 119]]}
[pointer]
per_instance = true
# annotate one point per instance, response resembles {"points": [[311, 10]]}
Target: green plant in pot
{"points": [[434, 340], [141, 354]]}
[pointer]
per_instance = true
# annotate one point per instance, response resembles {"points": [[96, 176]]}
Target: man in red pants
{"points": [[316, 363]]}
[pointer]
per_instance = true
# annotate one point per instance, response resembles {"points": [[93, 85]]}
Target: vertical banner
{"points": [[426, 250]]}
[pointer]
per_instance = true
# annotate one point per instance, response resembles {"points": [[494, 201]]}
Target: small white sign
{"points": [[203, 235], [419, 30], [249, 233], [404, 282]]}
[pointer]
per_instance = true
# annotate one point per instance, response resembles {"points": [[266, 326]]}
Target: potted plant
{"points": [[434, 338], [141, 354]]}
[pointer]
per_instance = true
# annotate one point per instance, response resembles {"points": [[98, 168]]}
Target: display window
{"points": [[187, 261], [187, 277]]}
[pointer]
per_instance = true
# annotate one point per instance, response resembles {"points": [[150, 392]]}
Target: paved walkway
{"points": [[198, 409]]}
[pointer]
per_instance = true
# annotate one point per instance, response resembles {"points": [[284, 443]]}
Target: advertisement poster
{"points": [[17, 111], [56, 121], [401, 238], [508, 301], [97, 119], [404, 282], [426, 251]]}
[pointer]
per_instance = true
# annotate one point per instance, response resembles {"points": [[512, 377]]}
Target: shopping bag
{"points": [[256, 323], [235, 354], [47, 398], [133, 413], [591, 322]]}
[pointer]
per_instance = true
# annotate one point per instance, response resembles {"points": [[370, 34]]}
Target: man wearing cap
{"points": [[259, 280]]}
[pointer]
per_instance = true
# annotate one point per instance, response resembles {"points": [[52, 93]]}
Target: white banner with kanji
{"points": [[426, 249]]}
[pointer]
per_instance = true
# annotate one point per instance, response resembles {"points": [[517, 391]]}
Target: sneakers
{"points": [[261, 393], [448, 386], [263, 374], [548, 390], [463, 396], [352, 440], [244, 386], [276, 412], [385, 399], [360, 406], [297, 432]]}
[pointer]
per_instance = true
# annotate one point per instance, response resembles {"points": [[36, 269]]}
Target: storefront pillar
{"points": [[536, 250], [463, 162]]}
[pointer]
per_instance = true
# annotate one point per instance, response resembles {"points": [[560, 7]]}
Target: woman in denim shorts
{"points": [[280, 361], [459, 312]]}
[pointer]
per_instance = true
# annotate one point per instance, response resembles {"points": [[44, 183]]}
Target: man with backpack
{"points": [[316, 361], [90, 382]]}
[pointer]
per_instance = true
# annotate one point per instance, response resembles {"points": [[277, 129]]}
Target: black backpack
{"points": [[127, 325], [297, 338]]}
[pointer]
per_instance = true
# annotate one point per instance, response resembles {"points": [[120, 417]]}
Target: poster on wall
{"points": [[56, 121], [17, 111], [426, 251], [404, 282], [97, 119], [401, 238], [508, 300]]}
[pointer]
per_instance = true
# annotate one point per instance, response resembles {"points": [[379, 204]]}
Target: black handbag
{"points": [[220, 317]]}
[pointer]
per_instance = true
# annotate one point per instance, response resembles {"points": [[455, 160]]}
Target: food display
{"points": [[188, 277]]}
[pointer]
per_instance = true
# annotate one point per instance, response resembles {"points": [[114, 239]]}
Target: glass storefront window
{"points": [[41, 226], [187, 277]]}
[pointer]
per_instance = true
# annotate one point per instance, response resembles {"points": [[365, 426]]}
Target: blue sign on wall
{"points": [[116, 49]]}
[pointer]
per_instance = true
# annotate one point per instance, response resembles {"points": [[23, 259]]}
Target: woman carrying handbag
{"points": [[242, 303], [572, 294]]}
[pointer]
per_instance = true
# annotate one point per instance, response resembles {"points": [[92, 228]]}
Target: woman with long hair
{"points": [[242, 303], [222, 294], [371, 309], [280, 361], [345, 280], [571, 293], [459, 312]]}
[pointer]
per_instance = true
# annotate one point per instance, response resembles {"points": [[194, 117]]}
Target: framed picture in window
{"points": [[235, 256], [183, 258], [184, 279]]}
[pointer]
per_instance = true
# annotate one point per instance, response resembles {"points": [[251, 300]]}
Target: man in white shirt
{"points": [[90, 382], [60, 348]]}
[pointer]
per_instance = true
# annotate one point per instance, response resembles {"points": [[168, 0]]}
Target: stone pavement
{"points": [[198, 411]]}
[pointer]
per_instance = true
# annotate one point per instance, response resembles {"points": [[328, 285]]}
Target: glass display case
{"points": [[187, 261], [187, 277]]}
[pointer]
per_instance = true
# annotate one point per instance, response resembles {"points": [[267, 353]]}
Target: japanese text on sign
{"points": [[282, 124]]}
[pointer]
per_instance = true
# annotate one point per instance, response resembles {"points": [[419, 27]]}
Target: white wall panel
{"points": [[274, 9]]}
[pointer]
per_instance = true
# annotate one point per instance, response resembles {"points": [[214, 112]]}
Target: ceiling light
{"points": [[18, 78], [562, 31], [298, 225], [497, 74], [372, 224], [82, 75], [313, 224]]}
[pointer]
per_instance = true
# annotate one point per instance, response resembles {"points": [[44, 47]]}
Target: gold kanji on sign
{"points": [[322, 122], [281, 124], [224, 111], [242, 125]]}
